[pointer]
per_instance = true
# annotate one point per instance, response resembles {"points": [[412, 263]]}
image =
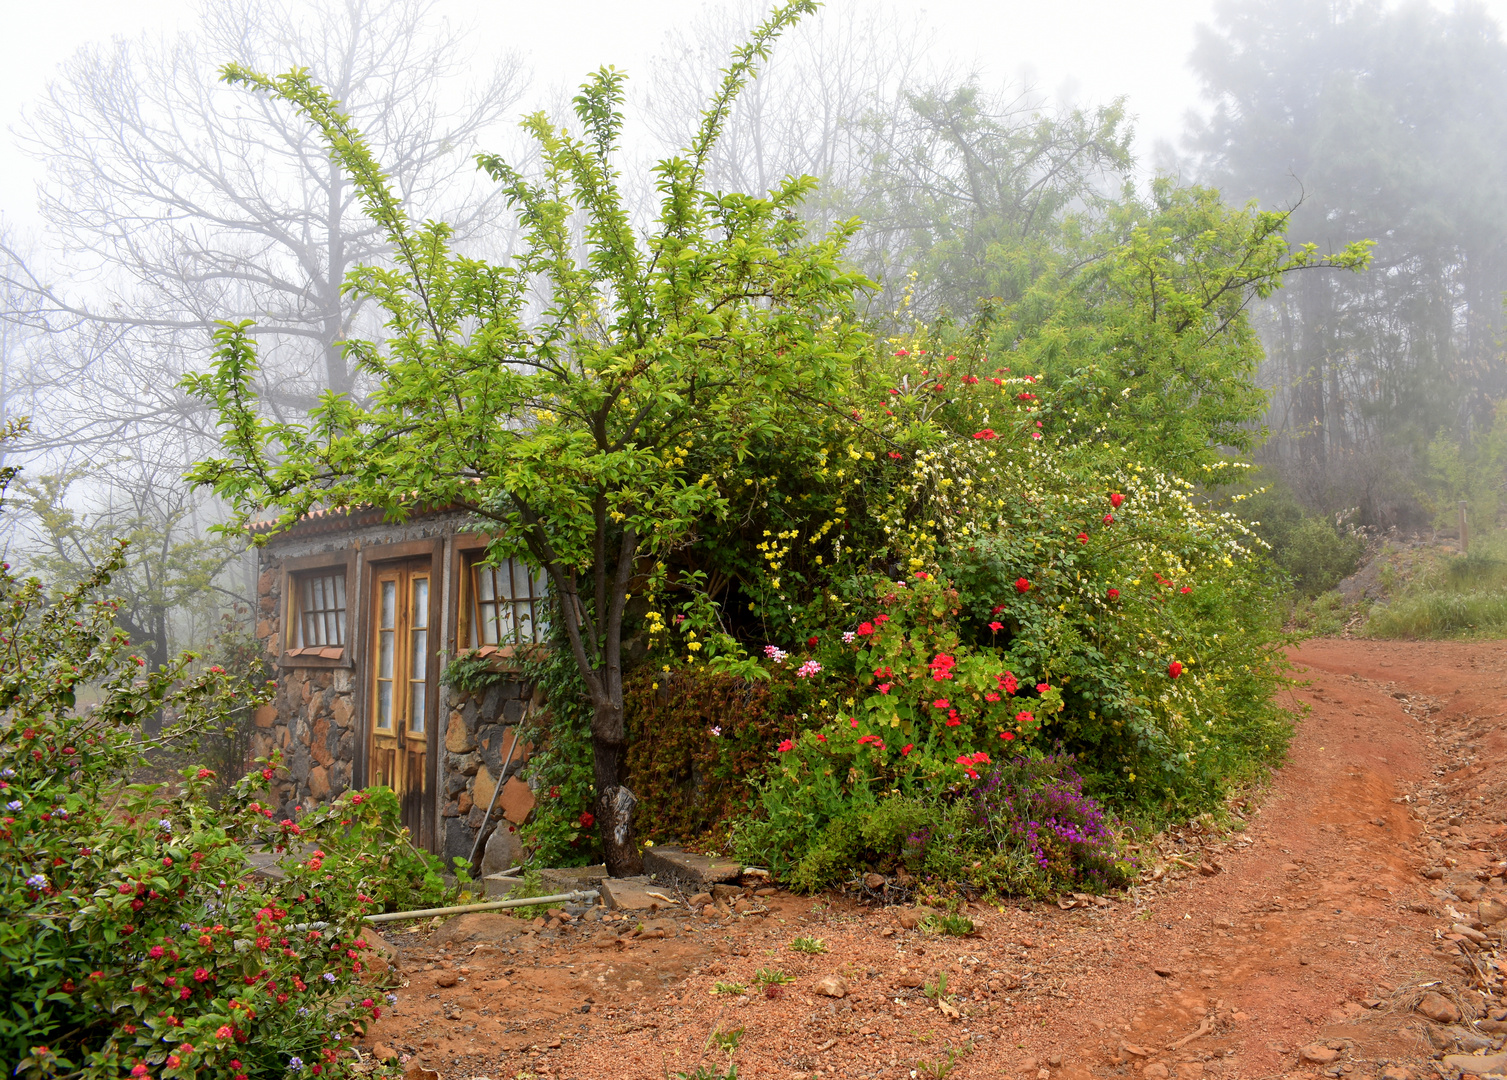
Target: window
{"points": [[318, 614], [507, 606]]}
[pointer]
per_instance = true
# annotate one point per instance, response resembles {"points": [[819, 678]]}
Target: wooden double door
{"points": [[400, 686]]}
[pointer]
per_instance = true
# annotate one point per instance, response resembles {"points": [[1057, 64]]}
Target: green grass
{"points": [[811, 945], [1441, 615], [1458, 596]]}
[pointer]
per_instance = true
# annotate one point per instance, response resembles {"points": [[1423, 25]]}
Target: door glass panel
{"points": [[418, 654], [387, 616]]}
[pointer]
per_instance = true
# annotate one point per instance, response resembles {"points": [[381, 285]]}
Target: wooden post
{"points": [[1464, 530]]}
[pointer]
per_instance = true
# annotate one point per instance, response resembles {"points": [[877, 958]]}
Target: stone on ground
{"points": [[693, 871], [634, 894], [834, 986], [1438, 1008]]}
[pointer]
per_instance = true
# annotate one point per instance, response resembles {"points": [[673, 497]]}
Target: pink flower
{"points": [[1035, 434], [808, 669], [785, 746], [884, 687], [853, 721], [1022, 585], [996, 626]]}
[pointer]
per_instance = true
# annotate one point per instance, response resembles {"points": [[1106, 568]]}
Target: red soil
{"points": [[1317, 929]]}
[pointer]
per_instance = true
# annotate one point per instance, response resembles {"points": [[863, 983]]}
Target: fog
{"points": [[141, 201]]}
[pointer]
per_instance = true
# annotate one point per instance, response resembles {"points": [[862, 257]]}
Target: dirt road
{"points": [[1301, 944]]}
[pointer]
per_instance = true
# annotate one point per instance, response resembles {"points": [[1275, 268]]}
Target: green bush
{"points": [[134, 940], [1308, 547], [1441, 615]]}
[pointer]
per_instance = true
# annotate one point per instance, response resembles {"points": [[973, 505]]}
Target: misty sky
{"points": [[1096, 48]]}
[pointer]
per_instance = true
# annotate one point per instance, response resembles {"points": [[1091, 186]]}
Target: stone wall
{"points": [[478, 732]]}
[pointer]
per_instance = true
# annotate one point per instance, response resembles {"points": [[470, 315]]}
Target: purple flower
{"points": [[295, 1063], [37, 881], [14, 804], [328, 976]]}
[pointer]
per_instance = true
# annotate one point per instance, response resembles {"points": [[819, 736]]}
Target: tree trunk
{"points": [[614, 803]]}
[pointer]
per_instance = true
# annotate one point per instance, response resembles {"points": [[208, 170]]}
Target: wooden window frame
{"points": [[295, 570], [469, 549]]}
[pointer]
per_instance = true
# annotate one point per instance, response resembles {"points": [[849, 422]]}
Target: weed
{"points": [[733, 988], [771, 977], [948, 925], [944, 1065], [812, 945], [937, 990]]}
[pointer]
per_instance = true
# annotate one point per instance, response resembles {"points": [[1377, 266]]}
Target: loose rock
{"points": [[1438, 1008], [1318, 1054], [445, 978], [1478, 1064], [833, 986], [874, 881], [1155, 1071]]}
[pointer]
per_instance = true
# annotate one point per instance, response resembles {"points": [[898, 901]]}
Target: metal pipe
{"points": [[496, 791], [493, 905]]}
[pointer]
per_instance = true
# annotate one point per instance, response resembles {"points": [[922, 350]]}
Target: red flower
{"points": [[941, 703], [996, 626], [811, 641], [1175, 668], [1022, 585], [865, 629], [1024, 717], [884, 687], [1113, 594], [907, 748], [895, 454], [820, 737], [1109, 519], [587, 819], [1083, 538], [1007, 735], [987, 433], [1025, 397], [991, 696], [1042, 688], [785, 746], [997, 609], [1006, 682], [1186, 589]]}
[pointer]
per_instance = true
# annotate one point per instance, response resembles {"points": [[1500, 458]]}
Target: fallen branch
{"points": [[1205, 1026]]}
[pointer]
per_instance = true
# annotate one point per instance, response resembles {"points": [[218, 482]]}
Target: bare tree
{"points": [[179, 201]]}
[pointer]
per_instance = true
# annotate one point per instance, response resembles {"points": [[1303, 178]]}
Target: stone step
{"points": [[696, 872]]}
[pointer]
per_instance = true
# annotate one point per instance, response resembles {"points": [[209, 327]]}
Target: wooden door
{"points": [[399, 690]]}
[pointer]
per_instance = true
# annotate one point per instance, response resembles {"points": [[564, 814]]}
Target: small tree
{"points": [[567, 428]]}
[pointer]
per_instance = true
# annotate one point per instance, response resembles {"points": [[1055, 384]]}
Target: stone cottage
{"points": [[359, 617]]}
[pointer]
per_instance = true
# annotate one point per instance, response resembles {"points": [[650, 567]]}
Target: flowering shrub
{"points": [[134, 941]]}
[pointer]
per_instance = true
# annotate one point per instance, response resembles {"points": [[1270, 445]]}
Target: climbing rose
{"points": [[1115, 499], [987, 433], [1022, 585], [1083, 538], [1186, 589], [1175, 668], [1113, 594], [1109, 519]]}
